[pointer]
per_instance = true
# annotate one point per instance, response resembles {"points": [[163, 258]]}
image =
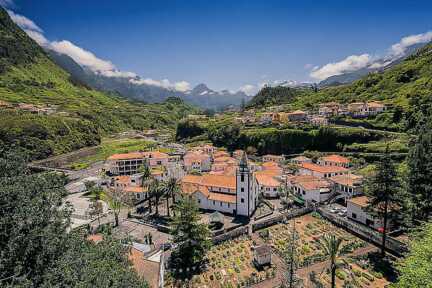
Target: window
{"points": [[242, 178], [228, 205], [214, 203], [199, 200], [353, 215], [221, 204], [242, 189], [242, 200]]}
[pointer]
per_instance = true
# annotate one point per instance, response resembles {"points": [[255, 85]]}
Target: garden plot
{"points": [[229, 265], [309, 231], [354, 272]]}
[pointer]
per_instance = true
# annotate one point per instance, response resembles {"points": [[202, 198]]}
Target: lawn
{"points": [[109, 147], [229, 265]]}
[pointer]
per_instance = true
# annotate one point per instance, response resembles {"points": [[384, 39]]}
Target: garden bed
{"points": [[229, 265]]}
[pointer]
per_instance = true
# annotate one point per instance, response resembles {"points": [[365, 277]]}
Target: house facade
{"points": [[334, 160], [310, 188], [321, 171], [130, 163]]}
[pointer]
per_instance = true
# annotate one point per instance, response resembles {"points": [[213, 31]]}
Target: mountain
{"points": [[131, 88], [204, 97], [79, 116], [376, 66]]}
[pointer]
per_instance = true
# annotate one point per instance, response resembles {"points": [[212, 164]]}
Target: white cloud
{"points": [[38, 37], [349, 64], [308, 66], [356, 62], [249, 89], [24, 22], [399, 49], [181, 86], [81, 56]]}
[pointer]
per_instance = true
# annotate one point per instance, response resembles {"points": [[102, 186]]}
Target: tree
{"points": [[415, 269], [291, 260], [382, 192], [156, 191], [191, 238], [146, 181], [37, 247], [115, 203], [419, 181], [172, 189], [331, 247]]}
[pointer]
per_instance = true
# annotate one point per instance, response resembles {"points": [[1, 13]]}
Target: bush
{"points": [[368, 276], [341, 274]]}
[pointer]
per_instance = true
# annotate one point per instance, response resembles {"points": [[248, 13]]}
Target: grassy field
{"points": [[114, 146]]}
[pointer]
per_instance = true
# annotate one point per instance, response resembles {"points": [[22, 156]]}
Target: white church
{"points": [[227, 194]]}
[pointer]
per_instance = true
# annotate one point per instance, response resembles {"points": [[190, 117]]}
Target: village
{"points": [[251, 203]]}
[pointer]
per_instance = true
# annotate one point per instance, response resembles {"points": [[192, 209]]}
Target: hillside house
{"points": [[334, 160], [349, 185], [130, 163], [297, 116], [310, 188], [359, 211], [272, 158], [197, 161], [321, 171], [267, 183]]}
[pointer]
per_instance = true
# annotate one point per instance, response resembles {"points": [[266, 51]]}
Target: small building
{"points": [[297, 116], [130, 163], [300, 159], [329, 109], [319, 121], [266, 118], [359, 211], [375, 107], [267, 183], [321, 171], [200, 162], [272, 158], [334, 160], [262, 255], [349, 185], [310, 188]]}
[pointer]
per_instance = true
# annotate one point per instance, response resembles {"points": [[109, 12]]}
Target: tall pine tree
{"points": [[419, 182], [383, 192]]}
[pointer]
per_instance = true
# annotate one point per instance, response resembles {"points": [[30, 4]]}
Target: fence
{"points": [[230, 235], [392, 245], [279, 218]]}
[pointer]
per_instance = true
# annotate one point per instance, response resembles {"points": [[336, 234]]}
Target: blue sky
{"points": [[228, 44]]}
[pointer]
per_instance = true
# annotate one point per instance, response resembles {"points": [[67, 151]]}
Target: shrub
{"points": [[368, 276], [341, 274]]}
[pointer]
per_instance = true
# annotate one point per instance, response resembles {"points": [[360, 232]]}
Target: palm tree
{"points": [[115, 204], [332, 248], [146, 182], [156, 191], [172, 189]]}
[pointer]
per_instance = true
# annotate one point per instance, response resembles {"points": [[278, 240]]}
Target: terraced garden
{"points": [[309, 230], [229, 265]]}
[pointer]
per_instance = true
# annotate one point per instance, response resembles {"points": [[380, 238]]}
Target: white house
{"points": [[349, 185], [200, 162], [334, 160], [267, 183], [321, 171], [310, 188]]}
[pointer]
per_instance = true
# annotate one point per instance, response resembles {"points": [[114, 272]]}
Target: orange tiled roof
{"points": [[224, 159], [323, 169], [220, 154], [362, 201], [222, 197], [211, 180], [267, 180], [347, 180], [149, 270], [336, 158], [134, 189], [375, 104], [123, 179], [309, 182]]}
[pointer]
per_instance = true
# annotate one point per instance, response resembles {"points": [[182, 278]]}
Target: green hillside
{"points": [[403, 85], [27, 75]]}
